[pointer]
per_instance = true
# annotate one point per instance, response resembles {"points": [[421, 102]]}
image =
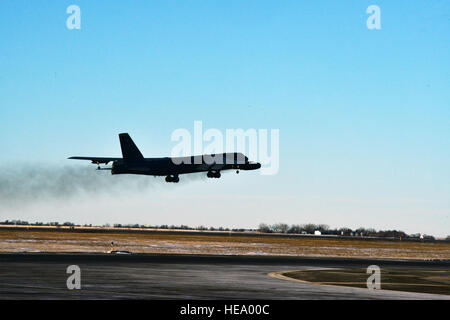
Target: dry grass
{"points": [[19, 240]]}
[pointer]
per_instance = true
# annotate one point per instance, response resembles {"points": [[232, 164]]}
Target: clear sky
{"points": [[364, 115]]}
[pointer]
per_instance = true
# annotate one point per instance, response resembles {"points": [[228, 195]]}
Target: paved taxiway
{"points": [[150, 276]]}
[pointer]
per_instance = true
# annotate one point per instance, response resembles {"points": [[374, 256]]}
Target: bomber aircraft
{"points": [[133, 162]]}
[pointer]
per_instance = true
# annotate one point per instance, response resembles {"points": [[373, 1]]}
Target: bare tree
{"points": [[280, 227], [264, 228]]}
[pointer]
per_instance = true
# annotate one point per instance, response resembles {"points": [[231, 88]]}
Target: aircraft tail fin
{"points": [[130, 152]]}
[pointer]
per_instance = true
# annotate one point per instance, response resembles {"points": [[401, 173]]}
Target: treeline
{"points": [[47, 224], [309, 228], [324, 229], [181, 227], [119, 225]]}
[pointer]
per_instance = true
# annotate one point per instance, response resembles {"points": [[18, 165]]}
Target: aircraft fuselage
{"points": [[175, 166]]}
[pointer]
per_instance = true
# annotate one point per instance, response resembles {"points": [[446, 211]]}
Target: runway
{"points": [[153, 276]]}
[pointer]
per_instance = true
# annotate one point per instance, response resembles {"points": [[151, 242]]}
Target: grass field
{"points": [[398, 279], [66, 240]]}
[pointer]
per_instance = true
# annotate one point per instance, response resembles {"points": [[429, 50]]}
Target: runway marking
{"points": [[281, 276]]}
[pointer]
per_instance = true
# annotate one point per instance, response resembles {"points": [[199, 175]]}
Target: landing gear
{"points": [[213, 174], [173, 178]]}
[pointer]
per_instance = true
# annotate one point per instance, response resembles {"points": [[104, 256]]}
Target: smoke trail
{"points": [[30, 183], [24, 184]]}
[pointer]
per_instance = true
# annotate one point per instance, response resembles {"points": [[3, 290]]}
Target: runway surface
{"points": [[151, 276]]}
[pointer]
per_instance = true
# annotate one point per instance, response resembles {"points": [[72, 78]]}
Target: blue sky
{"points": [[364, 115]]}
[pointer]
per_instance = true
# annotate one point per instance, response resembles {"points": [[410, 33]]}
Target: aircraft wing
{"points": [[96, 160]]}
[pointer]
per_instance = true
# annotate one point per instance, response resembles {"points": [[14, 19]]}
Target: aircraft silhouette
{"points": [[133, 162]]}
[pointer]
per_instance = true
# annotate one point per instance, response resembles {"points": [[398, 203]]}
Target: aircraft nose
{"points": [[254, 166]]}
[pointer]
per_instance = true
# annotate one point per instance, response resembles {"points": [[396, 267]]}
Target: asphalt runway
{"points": [[152, 276]]}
